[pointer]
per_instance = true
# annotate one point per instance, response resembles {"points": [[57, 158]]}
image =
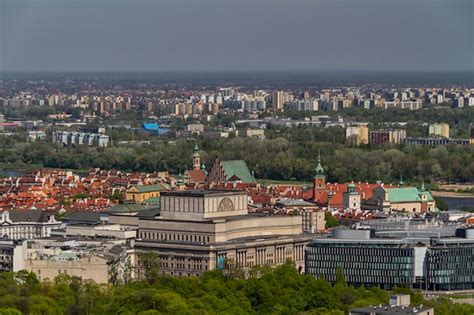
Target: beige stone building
{"points": [[141, 193], [94, 260], [86, 267], [202, 229], [402, 199]]}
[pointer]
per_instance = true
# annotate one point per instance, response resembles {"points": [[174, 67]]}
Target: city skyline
{"points": [[97, 36]]}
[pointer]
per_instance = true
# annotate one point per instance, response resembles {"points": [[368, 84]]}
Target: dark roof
{"points": [[201, 193], [82, 216], [149, 213], [127, 208], [29, 215], [116, 250], [391, 310]]}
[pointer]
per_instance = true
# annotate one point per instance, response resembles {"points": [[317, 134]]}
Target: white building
{"points": [[27, 224]]}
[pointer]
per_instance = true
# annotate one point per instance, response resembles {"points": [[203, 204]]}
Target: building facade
{"points": [[441, 130], [358, 134], [27, 224], [426, 262], [380, 137], [386, 263], [204, 230]]}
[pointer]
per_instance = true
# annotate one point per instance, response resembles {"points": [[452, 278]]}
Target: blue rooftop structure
{"points": [[155, 128]]}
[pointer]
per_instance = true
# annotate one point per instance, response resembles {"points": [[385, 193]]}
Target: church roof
{"points": [[149, 188], [197, 176], [406, 194], [403, 194], [238, 169]]}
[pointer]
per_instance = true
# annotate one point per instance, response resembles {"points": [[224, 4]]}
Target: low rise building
{"points": [[195, 128], [33, 136], [96, 260], [403, 199], [253, 133], [436, 141], [71, 138], [141, 193], [27, 224]]}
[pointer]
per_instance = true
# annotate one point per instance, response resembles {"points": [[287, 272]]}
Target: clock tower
{"points": [[319, 181]]}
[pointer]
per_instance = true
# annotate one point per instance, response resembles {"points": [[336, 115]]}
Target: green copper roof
{"points": [[155, 201], [196, 150], [126, 208], [406, 194], [149, 188], [319, 170], [239, 169]]}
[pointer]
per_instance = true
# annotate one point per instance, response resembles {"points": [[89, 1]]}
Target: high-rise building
{"points": [[439, 130], [359, 134], [2, 121], [278, 100], [387, 136]]}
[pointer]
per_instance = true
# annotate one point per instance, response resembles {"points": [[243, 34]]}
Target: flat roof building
{"points": [[201, 230], [423, 261]]}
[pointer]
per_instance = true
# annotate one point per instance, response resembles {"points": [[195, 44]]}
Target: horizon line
{"points": [[230, 71]]}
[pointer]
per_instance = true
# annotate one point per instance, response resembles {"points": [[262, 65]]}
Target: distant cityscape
{"points": [[201, 211]]}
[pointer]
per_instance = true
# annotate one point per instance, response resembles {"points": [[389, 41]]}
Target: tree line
{"points": [[280, 290], [292, 155]]}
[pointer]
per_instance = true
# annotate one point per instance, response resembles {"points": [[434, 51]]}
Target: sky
{"points": [[230, 35]]}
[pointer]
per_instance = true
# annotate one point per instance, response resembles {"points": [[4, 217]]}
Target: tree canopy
{"points": [[280, 290]]}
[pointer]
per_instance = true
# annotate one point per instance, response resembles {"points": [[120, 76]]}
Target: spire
{"points": [[351, 188], [203, 166], [180, 178], [401, 183], [422, 184], [319, 170], [196, 150]]}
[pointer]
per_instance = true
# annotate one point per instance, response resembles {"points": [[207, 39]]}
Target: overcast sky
{"points": [[139, 35]]}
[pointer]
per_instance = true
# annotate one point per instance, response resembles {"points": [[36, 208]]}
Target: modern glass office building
{"points": [[436, 263], [451, 264], [363, 261]]}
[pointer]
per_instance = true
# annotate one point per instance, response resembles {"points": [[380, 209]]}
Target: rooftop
{"points": [[390, 310], [201, 193]]}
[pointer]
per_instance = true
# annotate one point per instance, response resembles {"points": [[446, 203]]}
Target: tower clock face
{"points": [[226, 205]]}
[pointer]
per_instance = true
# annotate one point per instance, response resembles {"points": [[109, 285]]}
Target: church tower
{"points": [[319, 181], [351, 198], [196, 158]]}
